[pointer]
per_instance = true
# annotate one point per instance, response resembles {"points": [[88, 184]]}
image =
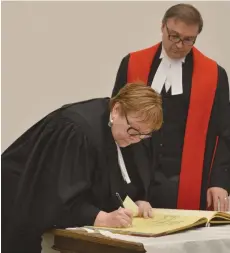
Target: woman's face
{"points": [[128, 129]]}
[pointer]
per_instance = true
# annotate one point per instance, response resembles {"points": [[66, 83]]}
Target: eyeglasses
{"points": [[134, 132], [189, 41]]}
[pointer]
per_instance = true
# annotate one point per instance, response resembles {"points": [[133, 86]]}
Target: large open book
{"points": [[168, 221]]}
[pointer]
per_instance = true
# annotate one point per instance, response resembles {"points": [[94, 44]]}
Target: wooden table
{"points": [[75, 241]]}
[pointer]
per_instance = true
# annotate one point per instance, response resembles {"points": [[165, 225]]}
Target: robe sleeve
{"points": [[220, 176], [56, 162], [121, 78]]}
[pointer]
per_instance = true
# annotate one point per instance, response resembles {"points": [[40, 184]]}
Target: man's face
{"points": [[173, 32]]}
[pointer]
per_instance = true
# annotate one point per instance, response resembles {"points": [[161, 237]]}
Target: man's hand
{"points": [[145, 209], [215, 195]]}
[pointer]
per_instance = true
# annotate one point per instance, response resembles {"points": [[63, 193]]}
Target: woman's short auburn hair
{"points": [[143, 100]]}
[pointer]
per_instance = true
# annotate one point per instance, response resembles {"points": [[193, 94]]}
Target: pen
{"points": [[120, 200]]}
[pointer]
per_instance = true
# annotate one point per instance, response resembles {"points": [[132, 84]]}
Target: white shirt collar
{"points": [[169, 73], [121, 162]]}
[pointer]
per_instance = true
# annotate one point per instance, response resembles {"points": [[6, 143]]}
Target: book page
{"points": [[181, 212], [198, 213], [164, 221], [159, 224], [221, 218], [129, 204]]}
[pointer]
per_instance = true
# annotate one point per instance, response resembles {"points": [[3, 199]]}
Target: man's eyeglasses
{"points": [[134, 132], [189, 41]]}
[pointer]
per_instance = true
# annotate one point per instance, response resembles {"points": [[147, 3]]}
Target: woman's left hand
{"points": [[145, 209]]}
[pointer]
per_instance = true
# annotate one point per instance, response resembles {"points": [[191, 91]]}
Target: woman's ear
{"points": [[110, 120], [115, 111], [111, 116]]}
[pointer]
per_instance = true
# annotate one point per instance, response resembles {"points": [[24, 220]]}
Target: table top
{"points": [[208, 239], [200, 240]]}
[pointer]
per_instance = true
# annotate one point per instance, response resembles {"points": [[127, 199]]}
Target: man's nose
{"points": [[179, 44]]}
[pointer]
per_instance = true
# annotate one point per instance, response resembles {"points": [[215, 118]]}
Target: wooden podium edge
{"points": [[97, 238]]}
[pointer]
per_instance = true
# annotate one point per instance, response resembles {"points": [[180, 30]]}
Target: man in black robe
{"points": [[65, 170], [193, 170]]}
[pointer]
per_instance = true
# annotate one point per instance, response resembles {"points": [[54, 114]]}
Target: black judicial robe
{"points": [[167, 144], [62, 172]]}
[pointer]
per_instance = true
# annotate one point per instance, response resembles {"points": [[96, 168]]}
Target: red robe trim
{"points": [[204, 83]]}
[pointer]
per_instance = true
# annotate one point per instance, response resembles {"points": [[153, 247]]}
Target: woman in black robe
{"points": [[65, 170]]}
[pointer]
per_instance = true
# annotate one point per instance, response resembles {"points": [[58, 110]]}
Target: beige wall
{"points": [[59, 52]]}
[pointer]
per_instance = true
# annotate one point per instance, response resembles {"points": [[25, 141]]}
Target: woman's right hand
{"points": [[120, 218]]}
